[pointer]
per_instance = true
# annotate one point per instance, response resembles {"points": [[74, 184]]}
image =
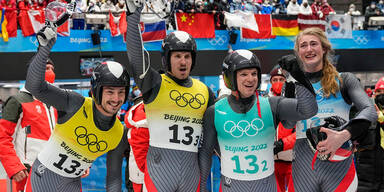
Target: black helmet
{"points": [[239, 59], [177, 41], [108, 73]]}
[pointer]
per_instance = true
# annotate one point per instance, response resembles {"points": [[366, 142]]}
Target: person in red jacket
{"points": [[25, 127], [285, 138], [138, 138]]}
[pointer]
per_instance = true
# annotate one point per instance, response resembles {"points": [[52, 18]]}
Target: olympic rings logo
{"points": [[238, 129], [89, 139], [218, 40], [182, 100], [360, 39]]}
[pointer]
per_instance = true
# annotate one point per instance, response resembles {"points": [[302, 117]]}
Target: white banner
{"points": [[339, 26]]}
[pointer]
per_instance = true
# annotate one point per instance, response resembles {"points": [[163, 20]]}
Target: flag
{"points": [[153, 31], [31, 21], [240, 19], [12, 22], [3, 27], [306, 21], [63, 30], [285, 25], [339, 26], [264, 25], [118, 24], [199, 25]]}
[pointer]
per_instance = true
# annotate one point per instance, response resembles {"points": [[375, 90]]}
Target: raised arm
{"points": [[366, 112], [208, 143], [146, 81], [35, 81]]}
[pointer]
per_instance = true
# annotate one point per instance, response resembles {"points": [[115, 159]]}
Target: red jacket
{"points": [[288, 136], [24, 129], [136, 120]]}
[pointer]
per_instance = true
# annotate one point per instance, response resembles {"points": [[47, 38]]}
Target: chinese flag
{"points": [[199, 25], [264, 23]]}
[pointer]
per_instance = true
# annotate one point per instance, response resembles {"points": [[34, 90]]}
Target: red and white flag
{"points": [[64, 29], [118, 25], [31, 21], [306, 21]]}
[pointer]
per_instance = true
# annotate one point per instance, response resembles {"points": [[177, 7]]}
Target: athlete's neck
{"points": [[103, 122], [182, 82], [315, 76]]}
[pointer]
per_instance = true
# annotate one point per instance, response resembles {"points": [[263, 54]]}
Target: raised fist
{"points": [[45, 34]]}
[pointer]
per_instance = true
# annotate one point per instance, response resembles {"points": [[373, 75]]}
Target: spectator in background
{"points": [[120, 6], [218, 7], [321, 8], [138, 138], [189, 6], [108, 7], [25, 128], [200, 7], [352, 10], [93, 7], [285, 137], [369, 162], [266, 7], [24, 5], [305, 8], [380, 5], [277, 7], [236, 5], [293, 8], [249, 6], [8, 5]]}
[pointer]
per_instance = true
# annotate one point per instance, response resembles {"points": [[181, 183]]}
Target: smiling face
{"points": [[247, 82], [112, 99], [311, 53], [181, 63]]}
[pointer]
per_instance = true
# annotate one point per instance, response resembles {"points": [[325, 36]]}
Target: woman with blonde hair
{"points": [[322, 153]]}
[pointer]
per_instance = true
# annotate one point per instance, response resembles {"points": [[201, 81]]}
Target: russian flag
{"points": [[153, 31]]}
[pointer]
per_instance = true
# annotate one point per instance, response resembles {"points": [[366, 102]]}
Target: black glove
{"points": [[315, 136], [289, 91], [291, 64], [278, 146]]}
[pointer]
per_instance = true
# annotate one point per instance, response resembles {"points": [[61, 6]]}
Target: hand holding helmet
{"points": [[291, 64], [315, 135]]}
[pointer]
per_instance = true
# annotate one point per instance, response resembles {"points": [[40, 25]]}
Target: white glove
{"points": [[45, 34]]}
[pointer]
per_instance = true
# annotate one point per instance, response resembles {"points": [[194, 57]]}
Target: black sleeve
{"points": [[208, 143], [114, 165], [366, 112], [290, 110]]}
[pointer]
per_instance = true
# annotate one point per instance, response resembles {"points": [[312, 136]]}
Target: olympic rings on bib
{"points": [[182, 100], [89, 139], [238, 129]]}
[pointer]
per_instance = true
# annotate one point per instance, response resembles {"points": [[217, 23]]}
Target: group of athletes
{"points": [[185, 123]]}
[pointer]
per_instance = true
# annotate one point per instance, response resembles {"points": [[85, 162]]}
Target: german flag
{"points": [[285, 25]]}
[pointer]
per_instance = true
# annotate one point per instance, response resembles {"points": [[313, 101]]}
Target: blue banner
{"points": [[81, 41]]}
